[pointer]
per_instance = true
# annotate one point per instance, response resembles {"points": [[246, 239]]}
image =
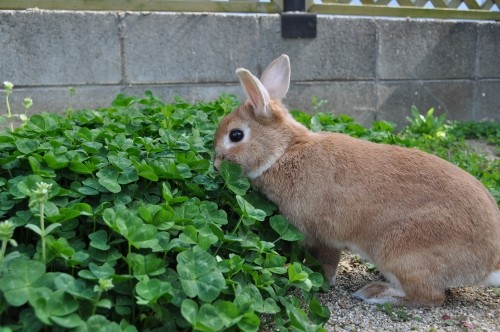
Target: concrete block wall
{"points": [[369, 68]]}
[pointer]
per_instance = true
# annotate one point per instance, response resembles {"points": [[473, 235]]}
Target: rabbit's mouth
{"points": [[217, 161]]}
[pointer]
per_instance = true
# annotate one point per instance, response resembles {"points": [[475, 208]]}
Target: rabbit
{"points": [[426, 224]]}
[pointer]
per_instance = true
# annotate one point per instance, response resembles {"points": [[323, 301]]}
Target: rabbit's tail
{"points": [[493, 278]]}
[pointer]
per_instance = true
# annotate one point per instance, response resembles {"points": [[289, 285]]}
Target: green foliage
{"points": [[381, 131], [447, 140], [488, 131], [119, 213], [426, 124], [142, 234]]}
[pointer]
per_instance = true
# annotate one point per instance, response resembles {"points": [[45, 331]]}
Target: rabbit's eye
{"points": [[236, 135]]}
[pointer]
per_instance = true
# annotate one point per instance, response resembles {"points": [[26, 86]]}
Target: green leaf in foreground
{"points": [[108, 178], [318, 312], [249, 211], [205, 318], [299, 320], [199, 274], [131, 226], [17, 282], [58, 307], [287, 231], [233, 177], [150, 291]]}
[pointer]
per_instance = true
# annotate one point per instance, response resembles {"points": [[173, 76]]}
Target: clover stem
{"points": [[94, 303], [234, 231], [237, 225], [128, 256], [220, 193], [42, 227], [2, 251], [9, 113]]}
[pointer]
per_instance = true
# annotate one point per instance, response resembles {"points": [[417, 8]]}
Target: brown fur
{"points": [[427, 224]]}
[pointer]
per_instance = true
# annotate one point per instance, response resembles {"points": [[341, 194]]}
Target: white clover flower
{"points": [[104, 285], [6, 230], [42, 191], [28, 102], [8, 85]]}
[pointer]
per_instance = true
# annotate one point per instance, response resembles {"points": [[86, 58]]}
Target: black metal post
{"points": [[295, 22], [294, 6]]}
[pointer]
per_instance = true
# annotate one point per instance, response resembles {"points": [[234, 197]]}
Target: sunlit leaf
{"points": [[108, 178], [17, 281], [199, 275], [149, 291], [249, 211], [287, 231]]}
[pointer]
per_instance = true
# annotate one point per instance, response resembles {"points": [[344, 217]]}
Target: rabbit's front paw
{"points": [[378, 292], [331, 273]]}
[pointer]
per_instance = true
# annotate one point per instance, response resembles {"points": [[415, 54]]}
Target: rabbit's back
{"points": [[341, 168], [384, 199]]}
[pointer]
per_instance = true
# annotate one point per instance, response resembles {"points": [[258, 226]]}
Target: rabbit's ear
{"points": [[276, 77], [256, 92]]}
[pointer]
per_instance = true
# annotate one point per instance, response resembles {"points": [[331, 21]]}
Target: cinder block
{"points": [[368, 68], [417, 49], [455, 98], [57, 99], [488, 101], [57, 48], [489, 50], [356, 99], [191, 48], [344, 48], [191, 93]]}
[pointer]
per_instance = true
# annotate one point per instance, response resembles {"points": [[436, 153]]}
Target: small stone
{"points": [[446, 317], [468, 325]]}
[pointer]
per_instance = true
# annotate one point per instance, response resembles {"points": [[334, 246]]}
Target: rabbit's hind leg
{"points": [[410, 295], [422, 292]]}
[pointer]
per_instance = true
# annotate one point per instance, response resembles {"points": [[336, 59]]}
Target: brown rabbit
{"points": [[425, 223]]}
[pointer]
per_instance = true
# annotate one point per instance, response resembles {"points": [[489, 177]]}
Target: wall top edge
{"points": [[236, 14]]}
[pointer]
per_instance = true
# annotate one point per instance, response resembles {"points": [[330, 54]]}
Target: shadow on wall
{"points": [[450, 66]]}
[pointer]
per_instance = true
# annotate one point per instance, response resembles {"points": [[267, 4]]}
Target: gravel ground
{"points": [[466, 309], [478, 146]]}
